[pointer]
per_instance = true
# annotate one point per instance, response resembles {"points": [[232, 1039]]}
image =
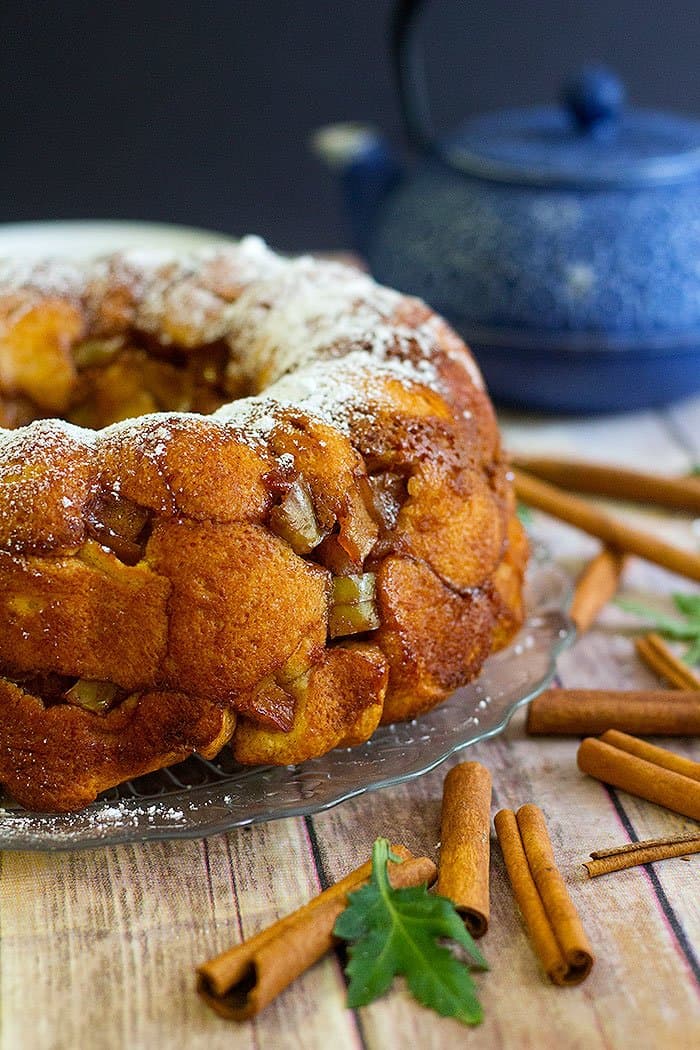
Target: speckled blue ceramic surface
{"points": [[562, 242], [549, 146], [594, 265], [563, 282]]}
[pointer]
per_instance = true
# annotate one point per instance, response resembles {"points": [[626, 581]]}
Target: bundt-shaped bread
{"points": [[295, 521]]}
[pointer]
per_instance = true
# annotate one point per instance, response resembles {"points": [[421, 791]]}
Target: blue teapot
{"points": [[563, 243]]}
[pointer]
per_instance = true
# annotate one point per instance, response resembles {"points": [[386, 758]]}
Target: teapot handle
{"points": [[594, 97], [409, 69]]}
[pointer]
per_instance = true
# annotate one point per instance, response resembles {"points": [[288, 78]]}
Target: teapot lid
{"points": [[594, 139]]}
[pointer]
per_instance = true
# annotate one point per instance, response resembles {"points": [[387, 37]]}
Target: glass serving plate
{"points": [[198, 798]]}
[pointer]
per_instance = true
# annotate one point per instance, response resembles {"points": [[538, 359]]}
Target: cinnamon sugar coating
{"points": [[262, 428]]}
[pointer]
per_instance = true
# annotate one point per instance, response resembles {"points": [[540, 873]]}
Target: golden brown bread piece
{"points": [[331, 545], [338, 703], [60, 757]]}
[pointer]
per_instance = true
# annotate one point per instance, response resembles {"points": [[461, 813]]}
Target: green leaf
{"points": [[689, 604], [525, 514], [671, 626], [692, 656], [695, 470], [397, 932]]}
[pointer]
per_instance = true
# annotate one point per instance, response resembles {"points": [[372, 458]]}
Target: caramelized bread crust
{"points": [[291, 521]]}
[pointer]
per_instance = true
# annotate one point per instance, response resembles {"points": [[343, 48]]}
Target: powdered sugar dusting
{"points": [[63, 278], [100, 821], [313, 335], [319, 310], [278, 316]]}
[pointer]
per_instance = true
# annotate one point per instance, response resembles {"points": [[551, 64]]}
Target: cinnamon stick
{"points": [[549, 914], [660, 658], [632, 847], [585, 712], [645, 777], [463, 869], [596, 522], [596, 585], [660, 756], [633, 853], [677, 493], [238, 983]]}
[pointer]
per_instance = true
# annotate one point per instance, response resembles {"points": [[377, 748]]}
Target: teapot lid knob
{"points": [[594, 96]]}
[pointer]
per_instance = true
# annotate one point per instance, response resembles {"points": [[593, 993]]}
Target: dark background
{"points": [[200, 112]]}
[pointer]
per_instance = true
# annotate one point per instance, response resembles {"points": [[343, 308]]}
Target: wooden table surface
{"points": [[98, 948]]}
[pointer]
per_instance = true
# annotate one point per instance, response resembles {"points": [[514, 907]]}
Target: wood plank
{"points": [[639, 439], [684, 418], [107, 943], [672, 884], [518, 1000]]}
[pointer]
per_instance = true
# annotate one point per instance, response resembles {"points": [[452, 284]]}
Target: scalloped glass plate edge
{"points": [[198, 798]]}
